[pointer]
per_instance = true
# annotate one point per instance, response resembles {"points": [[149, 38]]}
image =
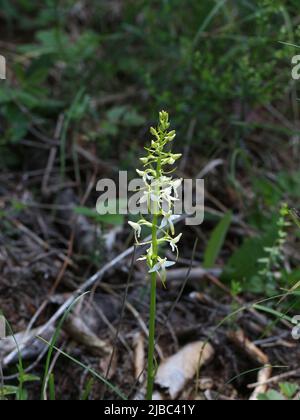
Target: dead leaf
{"points": [[263, 376], [139, 357], [176, 371]]}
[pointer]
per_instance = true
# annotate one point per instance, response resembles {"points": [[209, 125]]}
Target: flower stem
{"points": [[152, 319], [151, 344]]}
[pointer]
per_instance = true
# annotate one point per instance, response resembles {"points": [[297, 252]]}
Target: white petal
{"points": [[148, 177], [140, 173], [164, 223], [156, 268], [137, 228], [155, 198], [168, 264], [173, 246], [177, 183], [177, 239], [144, 199]]}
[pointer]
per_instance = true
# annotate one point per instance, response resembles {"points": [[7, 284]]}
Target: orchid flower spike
{"points": [[160, 192]]}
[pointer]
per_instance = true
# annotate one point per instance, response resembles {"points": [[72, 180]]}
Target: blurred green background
{"points": [[212, 64]]}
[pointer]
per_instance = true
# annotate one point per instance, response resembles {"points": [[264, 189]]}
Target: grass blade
{"points": [[216, 241], [90, 370]]}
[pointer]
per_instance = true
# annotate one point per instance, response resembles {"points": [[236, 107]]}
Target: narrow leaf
{"points": [[216, 241]]}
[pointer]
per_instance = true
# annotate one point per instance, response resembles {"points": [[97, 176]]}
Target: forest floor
{"points": [[47, 252]]}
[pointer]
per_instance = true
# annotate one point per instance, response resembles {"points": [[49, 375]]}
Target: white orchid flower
{"points": [[173, 243], [146, 176], [168, 221], [161, 269], [147, 257], [176, 184], [137, 229], [162, 264], [150, 196], [160, 193], [145, 198]]}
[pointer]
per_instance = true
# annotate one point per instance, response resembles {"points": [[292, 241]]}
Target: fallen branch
{"points": [[276, 379], [195, 274], [240, 339], [9, 345]]}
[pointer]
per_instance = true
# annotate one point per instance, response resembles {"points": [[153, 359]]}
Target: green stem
{"points": [[152, 319], [151, 344]]}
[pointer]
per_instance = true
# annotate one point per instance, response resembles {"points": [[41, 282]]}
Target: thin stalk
{"points": [[152, 319]]}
